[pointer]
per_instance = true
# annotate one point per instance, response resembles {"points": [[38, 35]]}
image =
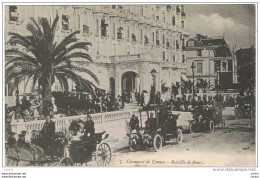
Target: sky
{"points": [[236, 22]]}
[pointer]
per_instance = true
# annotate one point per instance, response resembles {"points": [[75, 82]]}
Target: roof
{"points": [[218, 45]]}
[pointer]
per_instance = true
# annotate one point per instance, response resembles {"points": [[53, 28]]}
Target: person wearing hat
{"points": [[47, 133], [89, 127], [11, 141], [151, 123], [21, 139], [134, 123]]}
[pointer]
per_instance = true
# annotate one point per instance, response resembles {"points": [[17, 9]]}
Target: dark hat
{"points": [[23, 131], [12, 133], [81, 121]]}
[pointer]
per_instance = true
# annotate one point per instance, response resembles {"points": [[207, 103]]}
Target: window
{"points": [[217, 66], [167, 43], [182, 24], [114, 30], [177, 44], [173, 58], [141, 35], [13, 14], [173, 21], [153, 36], [141, 11], [199, 67], [104, 28], [157, 17], [183, 58], [163, 40], [65, 22], [224, 66], [146, 40], [230, 65], [85, 29], [199, 52], [163, 55], [113, 7], [178, 9], [97, 28], [182, 8], [78, 22], [128, 33], [119, 33]]}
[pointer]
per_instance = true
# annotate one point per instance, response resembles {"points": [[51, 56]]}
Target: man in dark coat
{"points": [[89, 127], [134, 123], [89, 136], [142, 99], [151, 123], [21, 139], [124, 98], [47, 134], [11, 142]]}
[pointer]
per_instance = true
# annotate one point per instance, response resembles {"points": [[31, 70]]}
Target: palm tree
{"points": [[46, 60], [204, 84], [187, 85]]}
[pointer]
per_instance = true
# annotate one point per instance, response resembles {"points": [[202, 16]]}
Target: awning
{"points": [[184, 77]]}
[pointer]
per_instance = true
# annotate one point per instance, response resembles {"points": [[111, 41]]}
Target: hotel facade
{"points": [[128, 42]]}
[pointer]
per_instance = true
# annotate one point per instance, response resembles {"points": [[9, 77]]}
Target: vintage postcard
{"points": [[165, 85]]}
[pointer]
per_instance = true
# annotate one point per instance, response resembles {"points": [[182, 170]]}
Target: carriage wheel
{"points": [[103, 155], [66, 161], [211, 126], [179, 136], [157, 142]]}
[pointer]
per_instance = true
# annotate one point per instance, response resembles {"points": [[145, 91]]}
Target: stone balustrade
{"points": [[112, 122]]}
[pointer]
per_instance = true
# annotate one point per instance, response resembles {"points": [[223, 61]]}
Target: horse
{"points": [[24, 155]]}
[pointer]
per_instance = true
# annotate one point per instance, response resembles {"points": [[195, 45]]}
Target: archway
{"points": [[128, 81]]}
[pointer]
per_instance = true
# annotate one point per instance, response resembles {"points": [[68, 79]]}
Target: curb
{"points": [[120, 149]]}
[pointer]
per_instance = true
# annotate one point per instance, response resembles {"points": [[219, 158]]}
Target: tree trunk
{"points": [[46, 97]]}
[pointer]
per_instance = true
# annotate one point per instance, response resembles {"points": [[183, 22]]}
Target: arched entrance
{"points": [[129, 81]]}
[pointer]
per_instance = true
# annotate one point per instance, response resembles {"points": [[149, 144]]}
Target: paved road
{"points": [[233, 145]]}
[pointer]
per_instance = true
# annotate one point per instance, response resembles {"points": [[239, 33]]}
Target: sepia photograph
{"points": [[129, 84]]}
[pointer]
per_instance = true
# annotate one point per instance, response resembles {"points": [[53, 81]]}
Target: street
{"points": [[233, 145]]}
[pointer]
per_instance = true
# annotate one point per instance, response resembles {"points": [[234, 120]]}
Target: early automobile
{"points": [[161, 126], [206, 118]]}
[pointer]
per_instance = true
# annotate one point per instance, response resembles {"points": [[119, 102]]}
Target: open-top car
{"points": [[161, 126], [205, 118]]}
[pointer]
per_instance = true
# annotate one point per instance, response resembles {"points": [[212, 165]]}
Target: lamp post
{"points": [[193, 91], [153, 73], [217, 87]]}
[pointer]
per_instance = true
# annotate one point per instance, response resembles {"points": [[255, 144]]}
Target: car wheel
{"points": [[179, 136], [157, 142]]}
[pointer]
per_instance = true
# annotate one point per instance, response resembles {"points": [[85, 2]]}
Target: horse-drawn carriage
{"points": [[165, 129], [62, 151]]}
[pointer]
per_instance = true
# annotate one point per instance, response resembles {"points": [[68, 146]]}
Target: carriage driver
{"points": [[47, 134]]}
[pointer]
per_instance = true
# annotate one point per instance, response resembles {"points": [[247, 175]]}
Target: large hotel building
{"points": [[128, 42]]}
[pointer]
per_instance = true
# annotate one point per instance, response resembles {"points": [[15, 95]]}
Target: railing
{"points": [[115, 120]]}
